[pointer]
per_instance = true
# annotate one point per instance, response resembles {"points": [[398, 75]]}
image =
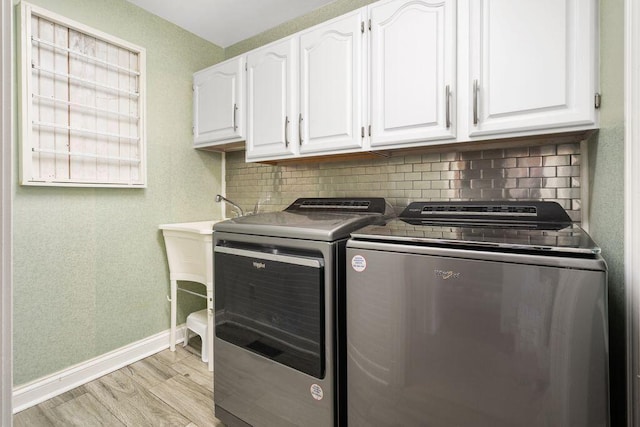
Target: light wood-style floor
{"points": [[166, 389]]}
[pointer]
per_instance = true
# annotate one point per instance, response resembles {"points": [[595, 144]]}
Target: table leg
{"points": [[210, 333], [174, 302]]}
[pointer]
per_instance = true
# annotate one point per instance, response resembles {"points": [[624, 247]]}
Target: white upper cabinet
{"points": [[331, 85], [272, 101], [405, 74], [532, 65], [412, 71], [218, 103]]}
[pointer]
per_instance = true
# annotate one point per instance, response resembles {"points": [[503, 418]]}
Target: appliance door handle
{"points": [[447, 97], [476, 88], [303, 261], [286, 131], [300, 128]]}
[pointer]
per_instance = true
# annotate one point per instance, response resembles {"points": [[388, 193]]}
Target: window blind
{"points": [[83, 105]]}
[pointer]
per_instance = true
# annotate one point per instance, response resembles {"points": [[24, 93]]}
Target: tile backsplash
{"points": [[540, 172]]}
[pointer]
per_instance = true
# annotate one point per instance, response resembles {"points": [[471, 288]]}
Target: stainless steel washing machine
{"points": [[279, 312], [476, 314]]}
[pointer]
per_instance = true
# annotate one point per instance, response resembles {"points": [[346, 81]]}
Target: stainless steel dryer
{"points": [[476, 314], [279, 312]]}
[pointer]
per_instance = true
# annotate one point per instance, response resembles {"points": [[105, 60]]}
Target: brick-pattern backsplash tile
{"points": [[542, 172]]}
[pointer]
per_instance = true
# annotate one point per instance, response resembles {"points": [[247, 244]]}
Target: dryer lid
{"points": [[323, 219]]}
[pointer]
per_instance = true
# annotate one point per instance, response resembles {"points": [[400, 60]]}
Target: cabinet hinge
{"points": [[362, 27], [597, 100]]}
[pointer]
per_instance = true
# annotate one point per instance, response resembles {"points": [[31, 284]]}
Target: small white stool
{"points": [[197, 322]]}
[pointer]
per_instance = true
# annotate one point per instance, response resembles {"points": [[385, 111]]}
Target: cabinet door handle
{"points": [[447, 97], [286, 131], [235, 109], [476, 88], [300, 128]]}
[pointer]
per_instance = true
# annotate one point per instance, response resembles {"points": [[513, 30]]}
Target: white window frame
{"points": [[84, 152]]}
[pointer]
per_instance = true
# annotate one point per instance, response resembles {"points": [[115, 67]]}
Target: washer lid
{"points": [[535, 227], [570, 239]]}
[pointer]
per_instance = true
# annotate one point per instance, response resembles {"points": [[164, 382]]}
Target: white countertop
{"points": [[198, 227]]}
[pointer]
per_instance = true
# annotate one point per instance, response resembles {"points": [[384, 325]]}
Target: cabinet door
{"points": [[218, 96], [413, 69], [533, 65], [271, 102], [331, 73]]}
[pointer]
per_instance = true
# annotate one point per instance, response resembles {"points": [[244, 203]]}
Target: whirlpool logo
{"points": [[446, 275], [259, 265]]}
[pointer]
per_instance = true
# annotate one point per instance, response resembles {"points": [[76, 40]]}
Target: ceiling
{"points": [[225, 22]]}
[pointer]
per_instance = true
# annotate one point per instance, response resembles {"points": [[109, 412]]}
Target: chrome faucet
{"points": [[220, 198]]}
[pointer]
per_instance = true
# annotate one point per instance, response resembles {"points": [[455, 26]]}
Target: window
{"points": [[83, 105]]}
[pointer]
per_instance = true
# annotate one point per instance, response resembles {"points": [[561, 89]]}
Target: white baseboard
{"points": [[28, 395]]}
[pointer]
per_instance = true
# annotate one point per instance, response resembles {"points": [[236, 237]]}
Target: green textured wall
{"points": [[90, 270], [606, 166]]}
